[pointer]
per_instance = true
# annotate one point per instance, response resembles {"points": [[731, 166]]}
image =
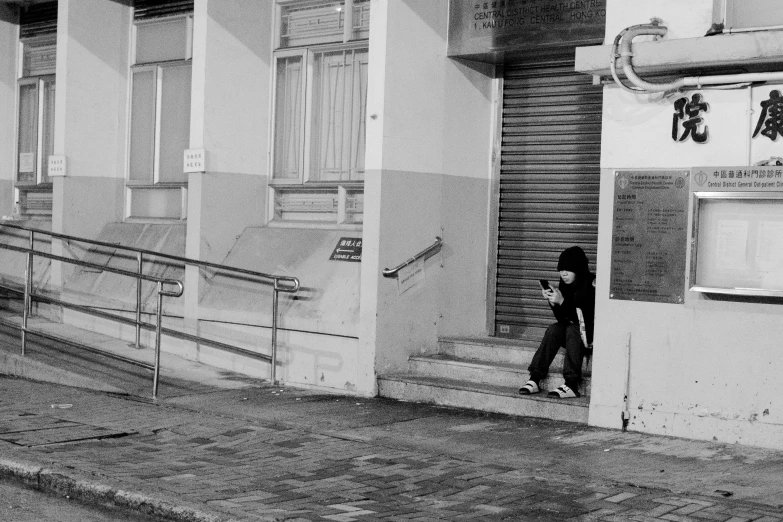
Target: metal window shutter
{"points": [[38, 19], [146, 9], [549, 184]]}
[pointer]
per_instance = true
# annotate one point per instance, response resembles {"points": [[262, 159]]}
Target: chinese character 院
{"points": [[691, 109], [771, 116]]}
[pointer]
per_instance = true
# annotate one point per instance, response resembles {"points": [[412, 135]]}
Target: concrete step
{"points": [[482, 372], [498, 350], [483, 397]]}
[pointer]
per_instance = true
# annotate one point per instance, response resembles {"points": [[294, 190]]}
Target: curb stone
{"points": [[90, 492]]}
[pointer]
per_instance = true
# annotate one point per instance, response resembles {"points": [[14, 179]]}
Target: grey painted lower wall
{"points": [[451, 300], [6, 197]]}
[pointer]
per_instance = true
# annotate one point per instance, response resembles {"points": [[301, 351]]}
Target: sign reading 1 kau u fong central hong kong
{"points": [[482, 29]]}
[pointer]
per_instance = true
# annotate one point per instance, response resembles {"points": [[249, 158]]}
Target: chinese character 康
{"points": [[691, 109], [771, 116]]}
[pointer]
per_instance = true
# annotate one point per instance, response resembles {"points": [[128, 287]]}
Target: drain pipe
{"points": [[653, 29], [613, 64], [626, 414]]}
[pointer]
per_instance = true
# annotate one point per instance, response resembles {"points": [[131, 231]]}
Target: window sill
{"points": [[320, 225], [156, 221]]}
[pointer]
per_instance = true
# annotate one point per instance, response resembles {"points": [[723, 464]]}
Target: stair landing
{"points": [[485, 374]]}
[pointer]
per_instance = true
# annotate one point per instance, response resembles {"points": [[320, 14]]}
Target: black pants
{"points": [[558, 335]]}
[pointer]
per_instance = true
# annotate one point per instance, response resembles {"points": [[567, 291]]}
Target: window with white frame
{"points": [[159, 118], [320, 112], [35, 125]]}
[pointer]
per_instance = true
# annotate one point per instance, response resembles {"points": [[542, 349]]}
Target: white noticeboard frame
{"points": [[737, 246]]}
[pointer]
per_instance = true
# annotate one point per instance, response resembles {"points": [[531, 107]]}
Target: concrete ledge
{"points": [[497, 399], [26, 368], [92, 492], [746, 51]]}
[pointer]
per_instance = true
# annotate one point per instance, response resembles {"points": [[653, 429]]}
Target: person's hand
{"points": [[554, 296]]}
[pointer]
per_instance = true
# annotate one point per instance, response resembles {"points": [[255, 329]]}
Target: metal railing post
{"points": [[291, 285], [272, 373], [156, 374], [28, 289], [30, 268], [140, 263]]}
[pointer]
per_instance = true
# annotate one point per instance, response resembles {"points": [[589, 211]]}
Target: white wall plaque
{"points": [[194, 160], [27, 162], [56, 166], [410, 275]]}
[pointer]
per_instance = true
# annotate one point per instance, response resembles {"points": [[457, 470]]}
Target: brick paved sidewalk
{"points": [[268, 453]]}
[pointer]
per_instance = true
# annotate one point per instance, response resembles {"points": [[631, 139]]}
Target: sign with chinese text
{"points": [[409, 275], [485, 29], [649, 235], [766, 123], [194, 161], [56, 166], [347, 249], [737, 179], [688, 121]]}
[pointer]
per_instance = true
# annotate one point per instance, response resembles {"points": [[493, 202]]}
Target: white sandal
{"points": [[529, 388], [564, 392]]}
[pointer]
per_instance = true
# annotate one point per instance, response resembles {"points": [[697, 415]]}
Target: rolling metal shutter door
{"points": [[549, 184]]}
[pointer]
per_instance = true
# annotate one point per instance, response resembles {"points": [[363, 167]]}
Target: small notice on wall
{"points": [[194, 160], [410, 275], [56, 166], [347, 249], [649, 235], [27, 162]]}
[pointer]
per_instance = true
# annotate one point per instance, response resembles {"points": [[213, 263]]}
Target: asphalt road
{"points": [[22, 504]]}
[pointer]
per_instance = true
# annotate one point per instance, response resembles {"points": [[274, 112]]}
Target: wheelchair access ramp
{"points": [[66, 358]]}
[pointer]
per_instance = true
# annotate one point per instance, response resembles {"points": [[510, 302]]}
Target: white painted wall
{"points": [[91, 114], [428, 150], [230, 120], [707, 369], [232, 56], [9, 32], [689, 19]]}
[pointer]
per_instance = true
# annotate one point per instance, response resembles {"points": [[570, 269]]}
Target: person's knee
{"points": [[553, 328]]}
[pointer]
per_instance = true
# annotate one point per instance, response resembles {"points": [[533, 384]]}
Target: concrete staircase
{"points": [[485, 374]]}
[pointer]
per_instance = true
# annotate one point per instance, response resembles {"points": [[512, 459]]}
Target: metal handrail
{"points": [[279, 284], [426, 253], [29, 295]]}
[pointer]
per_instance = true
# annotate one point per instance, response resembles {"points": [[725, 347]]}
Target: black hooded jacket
{"points": [[579, 294]]}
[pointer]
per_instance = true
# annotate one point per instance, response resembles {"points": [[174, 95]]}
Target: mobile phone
{"points": [[544, 284]]}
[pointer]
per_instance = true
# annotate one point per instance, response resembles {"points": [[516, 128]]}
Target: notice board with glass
{"points": [[737, 243]]}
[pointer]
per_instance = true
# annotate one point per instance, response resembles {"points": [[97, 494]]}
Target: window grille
{"points": [[320, 114], [308, 23], [35, 123]]}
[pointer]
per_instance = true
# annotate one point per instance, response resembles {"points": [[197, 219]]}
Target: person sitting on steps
{"points": [[573, 304]]}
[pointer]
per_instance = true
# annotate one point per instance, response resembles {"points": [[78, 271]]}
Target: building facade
{"points": [[268, 134]]}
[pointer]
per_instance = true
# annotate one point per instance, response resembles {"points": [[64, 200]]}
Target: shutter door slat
{"points": [[549, 184]]}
